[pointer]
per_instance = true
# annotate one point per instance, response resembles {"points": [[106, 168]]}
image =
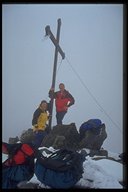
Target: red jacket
{"points": [[62, 100], [19, 156]]}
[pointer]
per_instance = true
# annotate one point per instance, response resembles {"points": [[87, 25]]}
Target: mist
{"points": [[91, 37]]}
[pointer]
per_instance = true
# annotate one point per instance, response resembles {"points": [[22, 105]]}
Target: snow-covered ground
{"points": [[101, 174], [98, 174]]}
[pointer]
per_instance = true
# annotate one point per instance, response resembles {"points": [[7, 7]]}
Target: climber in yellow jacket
{"points": [[39, 122]]}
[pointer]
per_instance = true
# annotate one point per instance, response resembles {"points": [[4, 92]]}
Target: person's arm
{"points": [[52, 94], [49, 107], [71, 99], [35, 117]]}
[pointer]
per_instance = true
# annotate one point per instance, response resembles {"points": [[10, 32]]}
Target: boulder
{"points": [[100, 152], [93, 141], [59, 142], [13, 140], [122, 157], [62, 136], [27, 136], [66, 136], [27, 185]]}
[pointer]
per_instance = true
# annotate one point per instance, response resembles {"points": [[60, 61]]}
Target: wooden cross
{"points": [[57, 49]]}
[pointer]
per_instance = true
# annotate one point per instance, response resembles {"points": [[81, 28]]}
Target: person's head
{"points": [[61, 86], [43, 105]]}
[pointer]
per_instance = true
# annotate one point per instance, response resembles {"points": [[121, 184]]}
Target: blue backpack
{"points": [[94, 125], [62, 169]]}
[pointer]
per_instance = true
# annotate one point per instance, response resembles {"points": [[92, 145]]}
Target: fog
{"points": [[91, 37]]}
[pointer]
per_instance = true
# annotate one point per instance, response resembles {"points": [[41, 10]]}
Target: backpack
{"points": [[62, 169], [19, 166], [93, 125]]}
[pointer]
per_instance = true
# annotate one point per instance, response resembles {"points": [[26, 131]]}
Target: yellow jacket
{"points": [[40, 119]]}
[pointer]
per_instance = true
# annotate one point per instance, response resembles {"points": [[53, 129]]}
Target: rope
{"points": [[82, 82]]}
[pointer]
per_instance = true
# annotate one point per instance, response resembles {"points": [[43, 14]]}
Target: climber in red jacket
{"points": [[63, 100]]}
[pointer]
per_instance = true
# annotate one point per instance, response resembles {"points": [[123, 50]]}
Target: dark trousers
{"points": [[38, 137], [60, 116]]}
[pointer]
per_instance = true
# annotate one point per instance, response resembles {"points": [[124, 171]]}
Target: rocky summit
{"points": [[66, 136]]}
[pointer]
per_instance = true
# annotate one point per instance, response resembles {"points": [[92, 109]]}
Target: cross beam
{"points": [[50, 34], [57, 49]]}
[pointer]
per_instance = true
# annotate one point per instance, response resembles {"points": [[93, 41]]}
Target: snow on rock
{"points": [[99, 174], [36, 181], [112, 168], [113, 155], [4, 157]]}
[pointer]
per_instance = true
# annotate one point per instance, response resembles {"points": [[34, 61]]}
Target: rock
{"points": [[59, 142], [27, 185], [122, 157], [66, 136], [93, 141], [27, 136], [101, 152], [13, 140], [69, 137]]}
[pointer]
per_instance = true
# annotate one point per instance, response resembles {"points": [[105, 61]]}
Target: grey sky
{"points": [[91, 37]]}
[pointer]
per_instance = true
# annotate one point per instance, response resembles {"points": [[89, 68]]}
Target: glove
{"points": [[35, 127]]}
